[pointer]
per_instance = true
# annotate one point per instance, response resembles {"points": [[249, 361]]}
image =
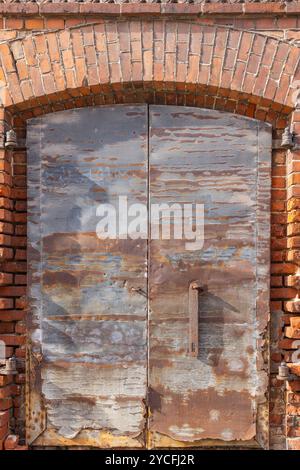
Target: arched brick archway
{"points": [[155, 56], [154, 61]]}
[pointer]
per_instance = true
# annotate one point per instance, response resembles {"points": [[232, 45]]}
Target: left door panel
{"points": [[87, 349]]}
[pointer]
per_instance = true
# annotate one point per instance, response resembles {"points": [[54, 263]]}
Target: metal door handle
{"points": [[194, 291]]}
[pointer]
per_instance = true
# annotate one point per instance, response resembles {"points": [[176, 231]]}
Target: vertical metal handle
{"points": [[194, 291]]}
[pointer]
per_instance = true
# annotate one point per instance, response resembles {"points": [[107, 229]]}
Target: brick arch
{"points": [[124, 61]]}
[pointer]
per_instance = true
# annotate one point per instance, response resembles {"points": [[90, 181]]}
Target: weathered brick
{"points": [[12, 340], [293, 305], [53, 47], [34, 23], [11, 315], [54, 23], [3, 429], [4, 418], [289, 343], [14, 23], [6, 58], [293, 443], [295, 369], [5, 404], [6, 303], [283, 293], [68, 58], [292, 332]]}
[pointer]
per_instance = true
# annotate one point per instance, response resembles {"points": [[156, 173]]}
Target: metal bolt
{"points": [[287, 140], [11, 139], [10, 367]]}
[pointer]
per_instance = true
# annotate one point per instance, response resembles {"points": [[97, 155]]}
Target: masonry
{"points": [[236, 57]]}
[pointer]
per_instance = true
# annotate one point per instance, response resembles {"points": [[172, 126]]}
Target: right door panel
{"points": [[217, 392]]}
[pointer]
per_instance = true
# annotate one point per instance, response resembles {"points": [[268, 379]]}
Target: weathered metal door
{"points": [[145, 342], [208, 307]]}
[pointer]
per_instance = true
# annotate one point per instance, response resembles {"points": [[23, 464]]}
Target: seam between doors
{"points": [[148, 275]]}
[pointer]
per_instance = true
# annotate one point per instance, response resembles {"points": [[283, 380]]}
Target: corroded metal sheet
{"points": [[88, 328], [222, 161], [91, 373]]}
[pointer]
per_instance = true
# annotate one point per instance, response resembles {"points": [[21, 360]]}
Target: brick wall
{"points": [[241, 58]]}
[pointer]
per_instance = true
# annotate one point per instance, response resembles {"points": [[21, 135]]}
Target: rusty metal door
{"points": [[143, 342], [208, 308], [88, 332]]}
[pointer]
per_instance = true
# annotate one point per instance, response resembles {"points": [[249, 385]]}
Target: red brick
{"points": [[283, 293], [5, 279], [6, 303], [11, 442], [14, 23], [293, 305], [22, 69], [53, 47], [211, 8], [12, 291], [295, 369], [20, 229], [5, 404], [6, 253], [6, 58], [264, 8], [4, 418], [291, 332], [293, 398], [34, 23], [59, 8], [64, 39], [54, 23], [295, 322], [7, 327], [3, 430], [289, 343], [5, 380], [11, 315], [5, 203], [37, 84], [283, 268], [6, 392], [68, 58], [12, 340]]}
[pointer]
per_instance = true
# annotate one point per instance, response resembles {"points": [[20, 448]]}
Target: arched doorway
{"points": [[137, 337]]}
